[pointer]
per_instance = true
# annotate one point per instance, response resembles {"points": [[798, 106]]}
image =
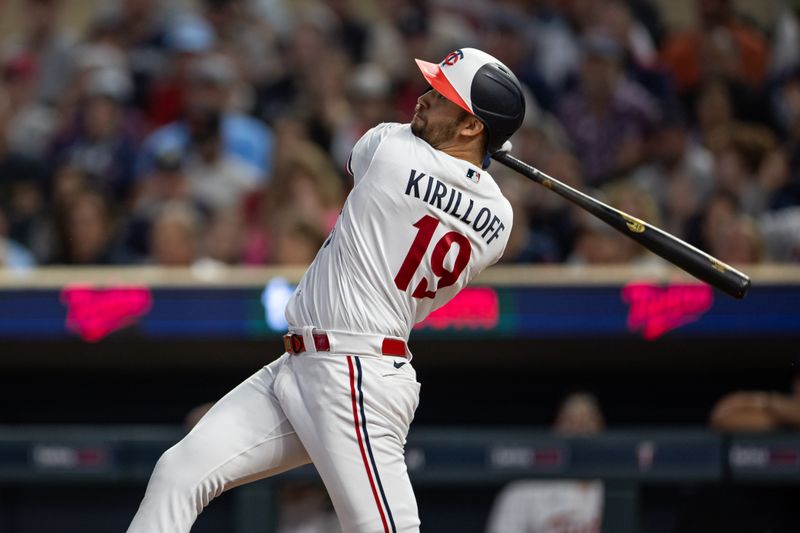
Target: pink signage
{"points": [[655, 310], [472, 308], [95, 313]]}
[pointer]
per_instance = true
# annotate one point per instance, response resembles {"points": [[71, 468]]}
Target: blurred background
{"points": [[167, 169]]}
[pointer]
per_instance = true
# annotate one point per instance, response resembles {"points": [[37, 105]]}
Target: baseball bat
{"points": [[680, 253]]}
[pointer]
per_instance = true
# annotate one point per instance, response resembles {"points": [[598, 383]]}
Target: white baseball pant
{"points": [[347, 414]]}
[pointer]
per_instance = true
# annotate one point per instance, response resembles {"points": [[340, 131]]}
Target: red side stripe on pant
{"points": [[361, 443]]}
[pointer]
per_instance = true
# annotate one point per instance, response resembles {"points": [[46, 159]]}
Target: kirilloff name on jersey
{"points": [[434, 192]]}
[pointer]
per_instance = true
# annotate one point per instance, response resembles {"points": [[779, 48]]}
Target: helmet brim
{"points": [[436, 78]]}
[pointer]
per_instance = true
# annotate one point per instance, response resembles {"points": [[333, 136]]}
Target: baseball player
{"points": [[423, 219]]}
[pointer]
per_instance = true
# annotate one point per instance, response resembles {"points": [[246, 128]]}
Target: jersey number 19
{"points": [[426, 226]]}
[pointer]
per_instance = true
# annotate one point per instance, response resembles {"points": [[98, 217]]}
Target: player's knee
{"points": [[174, 471], [182, 476]]}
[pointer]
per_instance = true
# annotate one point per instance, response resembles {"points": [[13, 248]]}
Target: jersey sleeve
{"points": [[365, 148]]}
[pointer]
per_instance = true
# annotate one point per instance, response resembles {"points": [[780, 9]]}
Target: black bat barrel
{"points": [[680, 253]]}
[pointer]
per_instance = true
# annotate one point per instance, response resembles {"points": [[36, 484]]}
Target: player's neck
{"points": [[470, 152]]}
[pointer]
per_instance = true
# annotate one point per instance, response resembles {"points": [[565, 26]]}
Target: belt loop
{"points": [[308, 338], [287, 343]]}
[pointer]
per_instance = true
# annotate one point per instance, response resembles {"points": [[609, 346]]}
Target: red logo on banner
{"points": [[95, 313], [656, 310], [472, 308]]}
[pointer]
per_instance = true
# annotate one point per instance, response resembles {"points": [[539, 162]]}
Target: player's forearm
{"points": [[784, 409], [745, 420]]}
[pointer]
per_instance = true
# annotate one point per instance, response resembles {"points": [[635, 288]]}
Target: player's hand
{"points": [[743, 411], [487, 159], [507, 146]]}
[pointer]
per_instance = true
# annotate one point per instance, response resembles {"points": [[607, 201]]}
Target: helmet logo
{"points": [[452, 58]]}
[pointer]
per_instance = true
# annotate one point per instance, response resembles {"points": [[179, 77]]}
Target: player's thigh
{"points": [[353, 417], [245, 436]]}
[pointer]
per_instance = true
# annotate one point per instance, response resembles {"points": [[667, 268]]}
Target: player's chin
{"points": [[417, 126]]}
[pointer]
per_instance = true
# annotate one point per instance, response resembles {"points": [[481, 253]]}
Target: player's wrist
{"points": [[771, 401]]}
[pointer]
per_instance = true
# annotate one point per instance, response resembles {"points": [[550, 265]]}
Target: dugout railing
{"points": [[625, 460]]}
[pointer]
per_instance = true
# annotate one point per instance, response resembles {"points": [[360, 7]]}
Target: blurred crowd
{"points": [[217, 130]]}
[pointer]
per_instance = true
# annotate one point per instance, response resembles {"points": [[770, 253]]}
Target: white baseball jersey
{"points": [[548, 507], [418, 225]]}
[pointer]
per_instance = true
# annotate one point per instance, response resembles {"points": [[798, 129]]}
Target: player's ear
{"points": [[471, 127]]}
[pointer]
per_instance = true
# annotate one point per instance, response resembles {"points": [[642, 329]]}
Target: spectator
{"points": [[678, 174], [350, 30], [386, 40], [88, 231], [544, 226], [167, 182], [640, 56], [261, 209], [223, 241], [417, 39], [246, 37], [306, 186], [737, 163], [329, 71], [68, 183], [326, 98], [743, 246], [555, 505], [522, 245], [208, 98], [187, 39], [174, 235], [306, 508], [786, 108], [780, 231], [598, 243], [12, 254], [607, 117], [617, 18], [785, 54], [195, 415], [91, 57], [550, 234], [29, 124], [305, 48], [139, 27], [720, 44], [504, 35], [369, 103], [296, 242], [49, 49], [103, 139], [217, 179], [555, 32], [758, 410], [303, 200], [730, 235], [22, 183]]}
